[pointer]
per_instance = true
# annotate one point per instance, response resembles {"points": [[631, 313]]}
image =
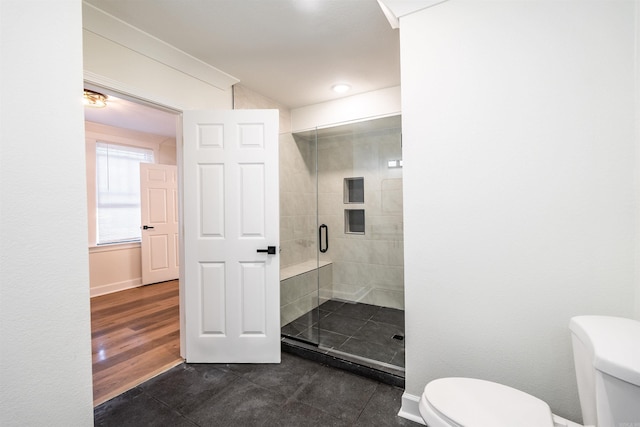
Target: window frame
{"points": [[144, 153]]}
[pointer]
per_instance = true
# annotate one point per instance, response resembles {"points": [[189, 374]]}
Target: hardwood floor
{"points": [[135, 335]]}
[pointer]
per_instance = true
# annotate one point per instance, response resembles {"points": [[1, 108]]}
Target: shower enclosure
{"points": [[342, 283]]}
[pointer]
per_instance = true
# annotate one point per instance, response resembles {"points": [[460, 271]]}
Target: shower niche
{"points": [[354, 190], [354, 193], [354, 221], [342, 271]]}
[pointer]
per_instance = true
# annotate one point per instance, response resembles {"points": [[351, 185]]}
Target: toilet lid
{"points": [[477, 403]]}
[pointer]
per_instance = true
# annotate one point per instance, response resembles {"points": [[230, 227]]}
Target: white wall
{"points": [[245, 98], [520, 196], [45, 374], [123, 58]]}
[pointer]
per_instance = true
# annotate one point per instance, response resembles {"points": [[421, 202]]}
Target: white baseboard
{"points": [[115, 287], [409, 408]]}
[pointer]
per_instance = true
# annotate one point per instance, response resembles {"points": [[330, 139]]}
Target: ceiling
{"points": [[291, 51], [126, 114]]}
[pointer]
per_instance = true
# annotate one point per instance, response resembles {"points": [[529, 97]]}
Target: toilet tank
{"points": [[606, 353]]}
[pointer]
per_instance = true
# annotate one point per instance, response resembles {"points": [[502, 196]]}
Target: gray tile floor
{"points": [[296, 392], [355, 328]]}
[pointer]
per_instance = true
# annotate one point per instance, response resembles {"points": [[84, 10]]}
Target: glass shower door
{"points": [[342, 276], [361, 288]]}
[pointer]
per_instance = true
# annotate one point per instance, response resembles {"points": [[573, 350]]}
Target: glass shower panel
{"points": [[360, 202], [299, 272]]}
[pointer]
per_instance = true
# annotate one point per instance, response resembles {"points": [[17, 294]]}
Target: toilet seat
{"points": [[471, 402]]}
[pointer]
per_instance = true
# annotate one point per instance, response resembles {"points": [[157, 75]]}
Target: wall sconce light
{"points": [[394, 164], [94, 99]]}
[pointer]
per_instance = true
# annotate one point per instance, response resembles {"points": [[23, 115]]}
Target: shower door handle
{"points": [[326, 238]]}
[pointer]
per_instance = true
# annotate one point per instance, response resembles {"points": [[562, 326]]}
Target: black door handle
{"points": [[271, 250], [146, 227], [326, 238]]}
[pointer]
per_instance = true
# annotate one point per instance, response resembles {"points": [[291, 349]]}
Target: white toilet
{"points": [[606, 352]]}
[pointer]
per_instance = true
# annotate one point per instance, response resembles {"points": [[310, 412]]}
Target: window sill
{"points": [[113, 247]]}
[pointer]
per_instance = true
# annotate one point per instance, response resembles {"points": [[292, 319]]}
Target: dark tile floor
{"points": [[296, 392], [361, 329]]}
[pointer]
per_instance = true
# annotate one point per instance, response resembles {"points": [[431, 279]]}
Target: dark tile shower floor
{"points": [[296, 392], [360, 329]]}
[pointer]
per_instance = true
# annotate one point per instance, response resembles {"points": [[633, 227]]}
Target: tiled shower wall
{"points": [[297, 201], [299, 294], [366, 267]]}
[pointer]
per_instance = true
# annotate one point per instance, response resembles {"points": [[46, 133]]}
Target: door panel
{"points": [[211, 200], [252, 200], [159, 212], [231, 210], [159, 252], [254, 298], [212, 286]]}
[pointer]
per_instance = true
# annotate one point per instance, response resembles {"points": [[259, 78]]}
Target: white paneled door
{"points": [[231, 236], [159, 215]]}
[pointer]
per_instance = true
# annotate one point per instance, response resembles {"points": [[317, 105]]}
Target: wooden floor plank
{"points": [[107, 319], [135, 336], [134, 305], [114, 345], [114, 323], [142, 348]]}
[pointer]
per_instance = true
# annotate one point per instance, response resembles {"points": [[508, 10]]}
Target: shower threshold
{"points": [[362, 338], [387, 375]]}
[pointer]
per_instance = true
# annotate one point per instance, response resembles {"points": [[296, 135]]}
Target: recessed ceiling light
{"points": [[340, 87]]}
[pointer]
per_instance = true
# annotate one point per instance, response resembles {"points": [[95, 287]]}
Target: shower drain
{"points": [[398, 337]]}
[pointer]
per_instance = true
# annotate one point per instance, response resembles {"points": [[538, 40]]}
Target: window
{"points": [[118, 192]]}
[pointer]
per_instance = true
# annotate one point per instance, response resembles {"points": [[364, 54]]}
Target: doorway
{"points": [[135, 329]]}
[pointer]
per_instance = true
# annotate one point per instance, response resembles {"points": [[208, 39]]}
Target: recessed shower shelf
{"points": [[354, 190], [354, 221]]}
